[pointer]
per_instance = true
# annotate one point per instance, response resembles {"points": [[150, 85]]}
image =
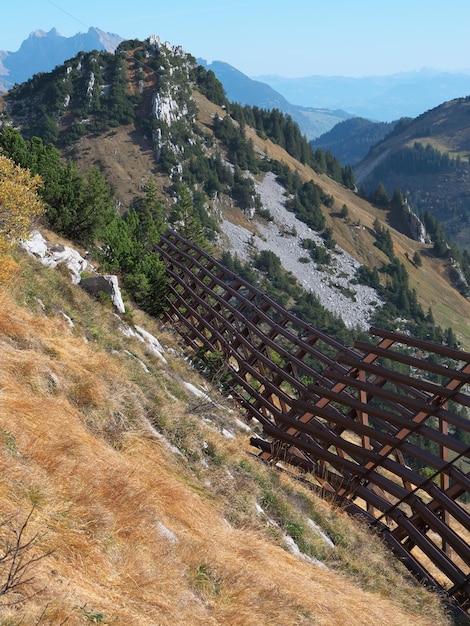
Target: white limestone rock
{"points": [[415, 225], [52, 255], [152, 343], [154, 346]]}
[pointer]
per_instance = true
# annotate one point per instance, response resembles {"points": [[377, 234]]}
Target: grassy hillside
{"points": [[147, 504]]}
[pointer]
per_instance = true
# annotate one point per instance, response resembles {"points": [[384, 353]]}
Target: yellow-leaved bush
{"points": [[20, 206]]}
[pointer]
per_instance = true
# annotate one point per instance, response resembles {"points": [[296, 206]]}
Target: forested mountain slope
{"points": [[427, 158], [244, 90], [352, 139], [151, 121]]}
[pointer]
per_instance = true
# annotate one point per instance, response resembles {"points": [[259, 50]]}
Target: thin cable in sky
{"points": [[87, 27], [69, 14]]}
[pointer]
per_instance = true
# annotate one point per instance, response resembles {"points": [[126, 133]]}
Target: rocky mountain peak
{"points": [[42, 51]]}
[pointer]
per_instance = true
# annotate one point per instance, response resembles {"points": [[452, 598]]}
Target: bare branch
{"points": [[16, 557]]}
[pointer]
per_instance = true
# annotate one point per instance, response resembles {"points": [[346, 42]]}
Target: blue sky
{"points": [[287, 38]]}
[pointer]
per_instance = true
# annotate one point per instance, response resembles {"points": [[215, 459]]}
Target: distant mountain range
{"points": [[378, 98], [313, 122], [42, 52]]}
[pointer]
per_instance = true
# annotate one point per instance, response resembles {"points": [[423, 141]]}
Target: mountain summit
{"points": [[42, 51]]}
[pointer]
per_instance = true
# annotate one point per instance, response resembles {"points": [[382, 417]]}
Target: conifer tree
{"points": [[417, 260], [151, 214], [186, 220], [380, 196]]}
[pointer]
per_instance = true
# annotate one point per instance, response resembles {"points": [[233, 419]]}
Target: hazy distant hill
{"points": [[351, 140], [240, 88], [383, 98], [42, 51]]}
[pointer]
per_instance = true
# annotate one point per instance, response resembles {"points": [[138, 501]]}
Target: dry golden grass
{"points": [[124, 156], [141, 534]]}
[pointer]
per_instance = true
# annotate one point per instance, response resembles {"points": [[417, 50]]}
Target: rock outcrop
{"points": [[56, 254], [415, 225], [106, 284]]}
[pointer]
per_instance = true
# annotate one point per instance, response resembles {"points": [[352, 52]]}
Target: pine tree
{"points": [[380, 196], [81, 206], [186, 220], [151, 214], [397, 201]]}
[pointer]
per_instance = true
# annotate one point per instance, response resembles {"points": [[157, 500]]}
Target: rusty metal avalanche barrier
{"points": [[382, 427]]}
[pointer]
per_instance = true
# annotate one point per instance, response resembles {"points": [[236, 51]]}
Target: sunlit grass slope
{"points": [[148, 506]]}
